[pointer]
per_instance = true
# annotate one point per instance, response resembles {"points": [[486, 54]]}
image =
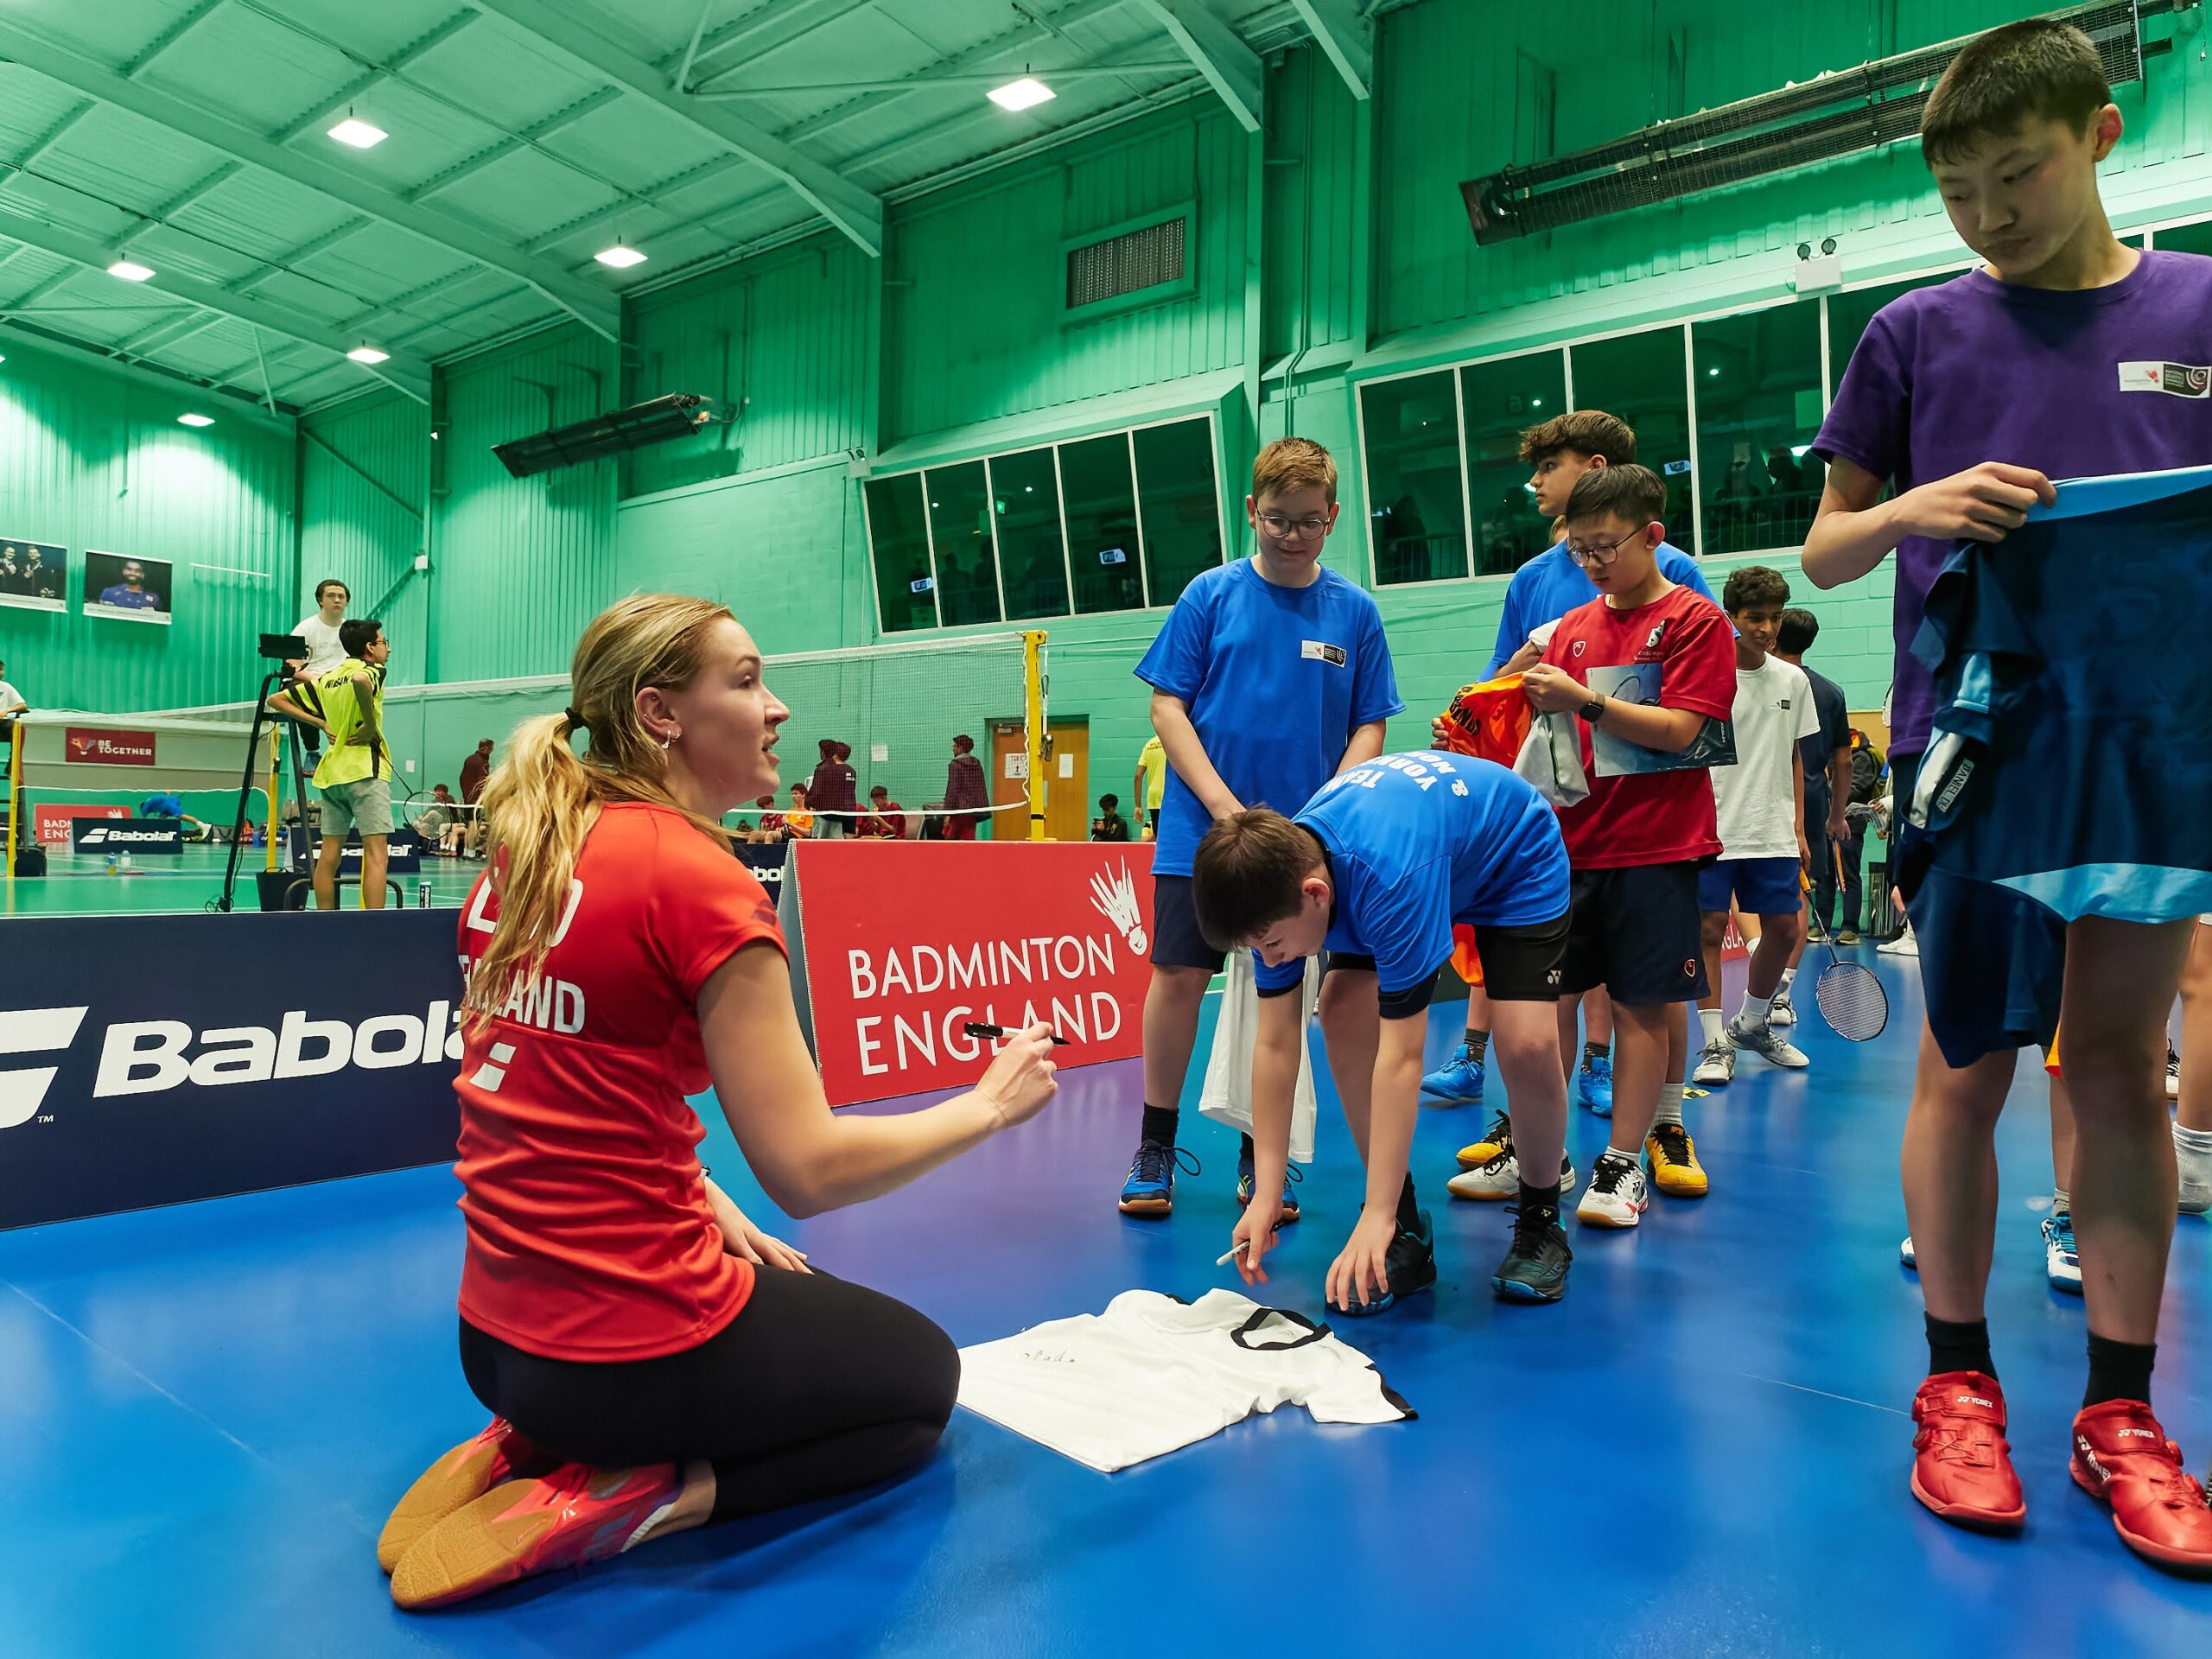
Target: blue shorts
{"points": [[1761, 887]]}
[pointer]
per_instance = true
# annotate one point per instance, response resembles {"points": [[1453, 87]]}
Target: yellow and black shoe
{"points": [[1671, 1157], [1496, 1144]]}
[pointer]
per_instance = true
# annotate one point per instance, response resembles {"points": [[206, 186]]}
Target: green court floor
{"points": [[193, 881]]}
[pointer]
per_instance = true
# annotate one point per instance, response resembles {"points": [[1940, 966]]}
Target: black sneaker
{"points": [[1534, 1268], [1409, 1264]]}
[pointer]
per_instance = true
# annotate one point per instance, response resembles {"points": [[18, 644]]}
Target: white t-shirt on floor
{"points": [[1151, 1375], [1757, 805], [324, 652]]}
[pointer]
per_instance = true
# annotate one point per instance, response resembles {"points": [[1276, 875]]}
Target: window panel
{"points": [[1025, 494], [1416, 495], [1180, 505], [2185, 238], [899, 543], [1502, 401], [967, 561], [1102, 510], [1640, 377], [1758, 411]]}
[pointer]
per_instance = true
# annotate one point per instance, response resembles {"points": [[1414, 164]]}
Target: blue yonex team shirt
{"points": [[1277, 679], [2069, 757], [1552, 584], [1418, 842]]}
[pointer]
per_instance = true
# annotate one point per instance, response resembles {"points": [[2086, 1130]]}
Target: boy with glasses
{"points": [[1558, 452], [1270, 676], [1649, 668]]}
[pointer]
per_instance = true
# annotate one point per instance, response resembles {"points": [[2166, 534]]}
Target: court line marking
{"points": [[1847, 1399]]}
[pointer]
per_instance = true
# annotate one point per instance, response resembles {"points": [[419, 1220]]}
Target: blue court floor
{"points": [[205, 1411]]}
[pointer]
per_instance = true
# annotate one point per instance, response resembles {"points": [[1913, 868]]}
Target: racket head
{"points": [[1852, 1001]]}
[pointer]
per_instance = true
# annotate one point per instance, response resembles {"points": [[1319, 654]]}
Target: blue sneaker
{"points": [[1458, 1082], [1595, 1089], [1291, 1172], [1150, 1189], [2061, 1265]]}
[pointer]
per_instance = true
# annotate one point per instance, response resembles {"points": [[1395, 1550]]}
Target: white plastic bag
{"points": [[1227, 1096], [1551, 758]]}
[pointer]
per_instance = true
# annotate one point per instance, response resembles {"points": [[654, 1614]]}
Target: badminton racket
{"points": [[1850, 993]]}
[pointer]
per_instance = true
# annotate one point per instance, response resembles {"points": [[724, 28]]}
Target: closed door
{"points": [[1066, 766]]}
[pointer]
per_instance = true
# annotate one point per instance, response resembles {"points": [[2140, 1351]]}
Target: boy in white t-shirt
{"points": [[320, 629], [1760, 802]]}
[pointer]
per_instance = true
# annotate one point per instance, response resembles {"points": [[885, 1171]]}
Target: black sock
{"points": [[1958, 1346], [1244, 1147], [1160, 1124], [1595, 1051], [1534, 1198], [2119, 1370], [1409, 1211], [1477, 1045]]}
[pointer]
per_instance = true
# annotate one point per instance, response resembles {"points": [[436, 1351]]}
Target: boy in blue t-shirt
{"points": [[1270, 676], [1377, 870], [1558, 452], [2065, 354]]}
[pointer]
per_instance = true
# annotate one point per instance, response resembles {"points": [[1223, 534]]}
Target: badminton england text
{"points": [[923, 970]]}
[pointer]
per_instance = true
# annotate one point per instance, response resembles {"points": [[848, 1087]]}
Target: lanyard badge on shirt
{"points": [[1319, 650]]}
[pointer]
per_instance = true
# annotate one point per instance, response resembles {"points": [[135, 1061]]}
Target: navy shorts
{"points": [[1992, 962], [1637, 932], [1761, 887], [1176, 941]]}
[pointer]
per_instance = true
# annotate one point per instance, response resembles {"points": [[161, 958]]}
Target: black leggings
{"points": [[816, 1388]]}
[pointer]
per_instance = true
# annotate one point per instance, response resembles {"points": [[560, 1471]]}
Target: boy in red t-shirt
{"points": [[1650, 668]]}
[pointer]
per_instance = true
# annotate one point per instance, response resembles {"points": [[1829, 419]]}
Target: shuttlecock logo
{"points": [[32, 1030], [1116, 900]]}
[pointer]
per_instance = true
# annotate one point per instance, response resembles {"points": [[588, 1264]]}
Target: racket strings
{"points": [[1852, 1001]]}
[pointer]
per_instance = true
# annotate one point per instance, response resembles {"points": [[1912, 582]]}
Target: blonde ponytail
{"points": [[542, 800]]}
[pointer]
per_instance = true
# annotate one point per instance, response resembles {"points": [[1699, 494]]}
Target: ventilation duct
{"points": [[1840, 112]]}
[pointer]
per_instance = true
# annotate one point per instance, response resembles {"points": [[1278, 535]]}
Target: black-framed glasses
{"points": [[1281, 528], [1600, 554]]}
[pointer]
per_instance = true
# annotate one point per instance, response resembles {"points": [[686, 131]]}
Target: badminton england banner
{"points": [[897, 945], [157, 1059]]}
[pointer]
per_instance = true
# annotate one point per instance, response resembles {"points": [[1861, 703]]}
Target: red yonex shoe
{"points": [[577, 1514], [1963, 1466], [2122, 1458], [467, 1472]]}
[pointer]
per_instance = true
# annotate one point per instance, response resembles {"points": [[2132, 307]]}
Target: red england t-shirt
{"points": [[1645, 807], [589, 1233]]}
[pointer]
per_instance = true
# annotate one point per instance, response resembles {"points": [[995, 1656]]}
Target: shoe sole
{"points": [[1150, 1209], [1678, 1192], [1477, 1198], [1427, 1099], [1598, 1218], [438, 1491], [2071, 1287], [1974, 1519], [1514, 1290], [2196, 1206], [2196, 1566], [1703, 1081]]}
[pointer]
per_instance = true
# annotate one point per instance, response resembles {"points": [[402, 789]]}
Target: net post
{"points": [[270, 833], [15, 791], [1033, 715]]}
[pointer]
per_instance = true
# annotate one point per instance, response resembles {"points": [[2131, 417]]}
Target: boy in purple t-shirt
{"points": [[1970, 397]]}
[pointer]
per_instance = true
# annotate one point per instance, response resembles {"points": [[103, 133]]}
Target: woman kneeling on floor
{"points": [[654, 1361]]}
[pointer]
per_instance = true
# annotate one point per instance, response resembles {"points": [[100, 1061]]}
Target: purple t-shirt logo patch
{"points": [[2176, 379]]}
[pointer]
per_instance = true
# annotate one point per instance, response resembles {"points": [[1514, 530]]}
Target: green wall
{"points": [[1329, 250], [94, 458]]}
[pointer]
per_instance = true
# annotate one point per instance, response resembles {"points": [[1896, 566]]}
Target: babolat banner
{"points": [[120, 1091], [106, 837]]}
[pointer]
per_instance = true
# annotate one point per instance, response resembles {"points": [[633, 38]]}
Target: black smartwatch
{"points": [[1593, 709]]}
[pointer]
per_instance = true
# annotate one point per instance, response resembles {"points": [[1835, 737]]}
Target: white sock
{"points": [[1754, 1011], [2062, 1202], [1670, 1105], [1712, 1019], [2192, 1143], [1788, 978]]}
